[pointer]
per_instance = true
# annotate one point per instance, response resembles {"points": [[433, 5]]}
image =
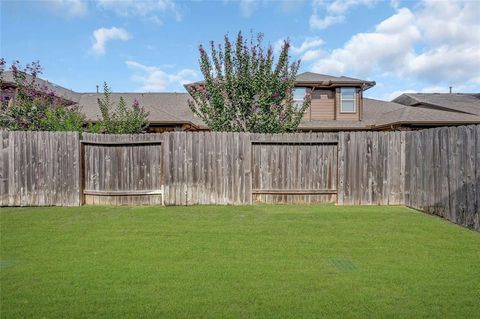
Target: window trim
{"points": [[354, 101]]}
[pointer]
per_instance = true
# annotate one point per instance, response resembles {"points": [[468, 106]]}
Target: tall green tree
{"points": [[245, 90], [118, 118]]}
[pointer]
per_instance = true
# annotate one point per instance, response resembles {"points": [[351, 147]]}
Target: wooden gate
{"points": [[122, 169], [294, 171]]}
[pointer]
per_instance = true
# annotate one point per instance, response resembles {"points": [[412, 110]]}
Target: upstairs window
{"points": [[298, 97], [347, 100]]}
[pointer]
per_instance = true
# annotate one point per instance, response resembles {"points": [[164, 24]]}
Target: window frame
{"points": [[354, 100], [295, 101]]}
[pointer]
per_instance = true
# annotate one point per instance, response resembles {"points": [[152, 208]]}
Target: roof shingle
{"points": [[457, 102], [162, 107]]}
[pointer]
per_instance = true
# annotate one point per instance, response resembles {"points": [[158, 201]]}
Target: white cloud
{"points": [[450, 22], [308, 43], [148, 9], [154, 79], [103, 35], [71, 7], [323, 23], [451, 32], [311, 55], [438, 42], [310, 49], [387, 48], [454, 64], [335, 11]]}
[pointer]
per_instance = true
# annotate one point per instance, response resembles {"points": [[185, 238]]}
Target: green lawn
{"points": [[236, 262]]}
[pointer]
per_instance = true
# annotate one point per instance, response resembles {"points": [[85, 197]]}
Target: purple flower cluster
{"points": [[136, 105]]}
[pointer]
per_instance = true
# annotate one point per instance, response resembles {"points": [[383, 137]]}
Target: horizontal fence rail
{"points": [[122, 169], [294, 168], [118, 143], [433, 170]]}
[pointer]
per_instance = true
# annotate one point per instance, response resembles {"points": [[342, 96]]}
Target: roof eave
{"points": [[363, 85]]}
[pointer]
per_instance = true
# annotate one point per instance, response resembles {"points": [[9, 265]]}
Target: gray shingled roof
{"points": [[384, 113], [457, 102], [327, 80], [67, 94], [163, 107], [372, 108], [311, 77], [378, 114]]}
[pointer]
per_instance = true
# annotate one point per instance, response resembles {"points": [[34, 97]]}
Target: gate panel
{"points": [[294, 172], [122, 169]]}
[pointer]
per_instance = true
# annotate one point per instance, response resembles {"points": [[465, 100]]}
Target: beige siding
{"points": [[322, 108]]}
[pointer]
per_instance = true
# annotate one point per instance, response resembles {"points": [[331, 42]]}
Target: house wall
{"points": [[322, 106], [325, 105]]}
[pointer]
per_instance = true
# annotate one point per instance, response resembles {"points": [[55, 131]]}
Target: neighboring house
{"points": [[167, 111], [8, 89], [468, 103], [337, 104]]}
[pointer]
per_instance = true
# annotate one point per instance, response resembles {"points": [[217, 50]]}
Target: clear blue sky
{"points": [[153, 45]]}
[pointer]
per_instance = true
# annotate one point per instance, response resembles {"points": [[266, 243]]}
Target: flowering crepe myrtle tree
{"points": [[31, 106], [244, 90]]}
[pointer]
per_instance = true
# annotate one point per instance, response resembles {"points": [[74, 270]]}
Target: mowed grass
{"points": [[236, 262]]}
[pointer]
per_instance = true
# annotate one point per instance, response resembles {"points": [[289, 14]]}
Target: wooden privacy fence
{"points": [[442, 173], [122, 169], [39, 169], [230, 168], [294, 168], [435, 170], [371, 168], [207, 168]]}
